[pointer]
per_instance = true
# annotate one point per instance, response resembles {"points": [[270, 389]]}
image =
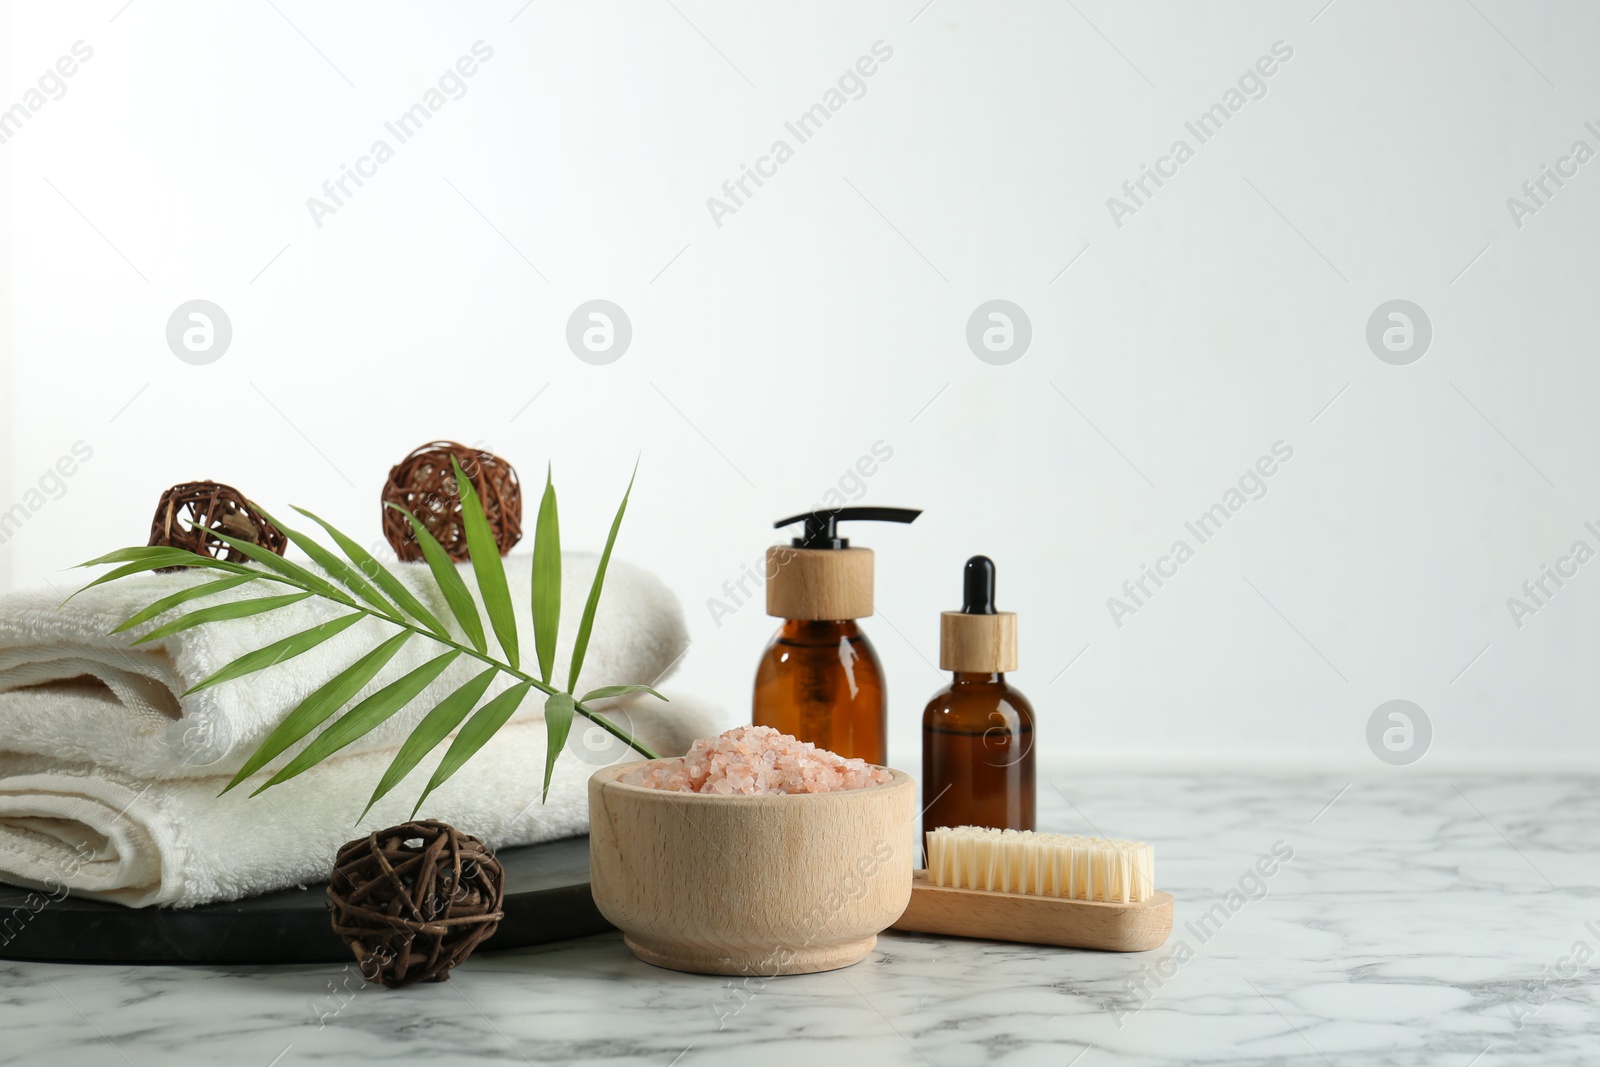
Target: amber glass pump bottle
{"points": [[819, 678], [977, 732]]}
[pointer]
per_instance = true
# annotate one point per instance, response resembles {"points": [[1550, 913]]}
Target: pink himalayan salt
{"points": [[755, 761]]}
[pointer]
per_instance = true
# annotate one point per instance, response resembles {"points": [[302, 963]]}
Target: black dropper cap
{"points": [[820, 532], [977, 586]]}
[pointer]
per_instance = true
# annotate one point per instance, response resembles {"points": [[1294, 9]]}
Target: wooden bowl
{"points": [[751, 885]]}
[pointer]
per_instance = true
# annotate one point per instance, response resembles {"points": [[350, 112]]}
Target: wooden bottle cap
{"points": [[978, 644], [819, 584]]}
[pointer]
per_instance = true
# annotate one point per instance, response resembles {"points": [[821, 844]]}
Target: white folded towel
{"points": [[67, 825], [147, 730], [109, 776]]}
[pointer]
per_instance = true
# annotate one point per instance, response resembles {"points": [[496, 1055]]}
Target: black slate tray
{"points": [[547, 899]]}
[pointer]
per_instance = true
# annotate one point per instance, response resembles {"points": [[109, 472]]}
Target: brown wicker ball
{"points": [[187, 511], [414, 900], [425, 484]]}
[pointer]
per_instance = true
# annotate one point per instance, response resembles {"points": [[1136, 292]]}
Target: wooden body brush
{"points": [[1044, 889]]}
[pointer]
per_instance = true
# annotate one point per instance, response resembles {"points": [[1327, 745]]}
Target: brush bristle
{"points": [[1044, 865]]}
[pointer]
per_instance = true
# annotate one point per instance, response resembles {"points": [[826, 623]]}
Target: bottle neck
{"points": [[813, 631], [978, 678]]}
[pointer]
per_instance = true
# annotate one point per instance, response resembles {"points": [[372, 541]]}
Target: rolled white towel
{"points": [[69, 826], [147, 729]]}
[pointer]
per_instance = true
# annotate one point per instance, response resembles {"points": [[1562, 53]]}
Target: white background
{"points": [[829, 313]]}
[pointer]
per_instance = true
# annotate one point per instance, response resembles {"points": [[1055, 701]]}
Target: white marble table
{"points": [[1422, 919]]}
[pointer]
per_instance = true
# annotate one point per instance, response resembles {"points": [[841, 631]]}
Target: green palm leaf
{"points": [[606, 692], [181, 597], [342, 572], [557, 725], [473, 736], [449, 582], [314, 710], [363, 718], [165, 553], [381, 575], [280, 651], [371, 591], [233, 609], [580, 647], [434, 728], [491, 573], [153, 558], [546, 580], [291, 570]]}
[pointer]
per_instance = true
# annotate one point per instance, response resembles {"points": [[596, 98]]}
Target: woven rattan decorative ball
{"points": [[187, 511], [414, 900], [425, 484]]}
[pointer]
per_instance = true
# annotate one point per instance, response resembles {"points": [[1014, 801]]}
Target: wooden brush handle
{"points": [[1037, 920]]}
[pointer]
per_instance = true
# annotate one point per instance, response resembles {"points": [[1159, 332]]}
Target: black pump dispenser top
{"points": [[820, 532], [977, 586]]}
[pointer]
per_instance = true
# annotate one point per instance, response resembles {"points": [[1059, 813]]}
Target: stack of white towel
{"points": [[109, 777]]}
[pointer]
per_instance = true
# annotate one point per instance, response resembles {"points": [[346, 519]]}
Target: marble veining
{"points": [[1406, 919]]}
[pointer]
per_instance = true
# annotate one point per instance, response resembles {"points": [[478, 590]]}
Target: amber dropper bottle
{"points": [[977, 732], [819, 679]]}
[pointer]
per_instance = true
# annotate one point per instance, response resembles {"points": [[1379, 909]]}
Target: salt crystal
{"points": [[756, 761]]}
